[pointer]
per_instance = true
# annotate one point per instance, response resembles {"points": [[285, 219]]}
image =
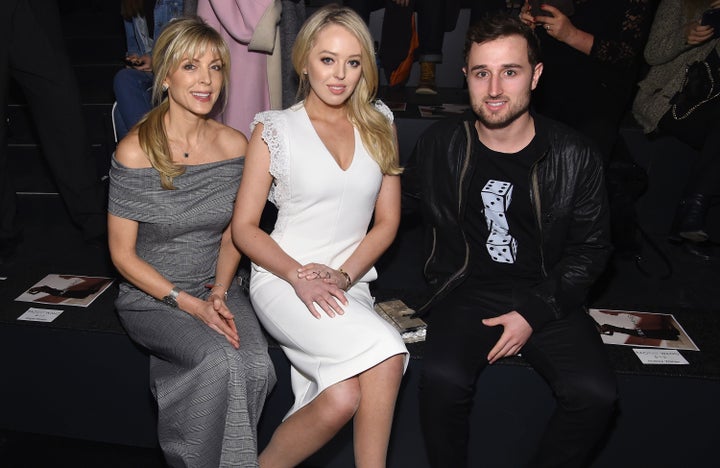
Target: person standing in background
{"points": [[251, 31], [678, 39], [403, 42], [143, 21], [592, 54], [32, 51]]}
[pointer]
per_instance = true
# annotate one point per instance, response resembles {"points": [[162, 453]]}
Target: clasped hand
{"points": [[516, 332], [558, 25], [139, 62], [318, 284], [216, 315]]}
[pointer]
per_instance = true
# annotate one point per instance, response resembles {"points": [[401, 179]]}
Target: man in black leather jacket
{"points": [[517, 231]]}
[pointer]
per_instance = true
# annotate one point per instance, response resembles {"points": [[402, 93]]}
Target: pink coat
{"points": [[250, 29]]}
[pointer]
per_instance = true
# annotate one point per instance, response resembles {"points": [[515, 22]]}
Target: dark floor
{"points": [[38, 451]]}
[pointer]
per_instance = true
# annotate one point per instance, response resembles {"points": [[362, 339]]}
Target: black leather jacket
{"points": [[570, 205]]}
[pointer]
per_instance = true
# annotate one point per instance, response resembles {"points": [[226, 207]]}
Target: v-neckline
{"points": [[327, 150]]}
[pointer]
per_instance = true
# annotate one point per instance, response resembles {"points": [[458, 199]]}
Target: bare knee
{"points": [[341, 401], [393, 366]]}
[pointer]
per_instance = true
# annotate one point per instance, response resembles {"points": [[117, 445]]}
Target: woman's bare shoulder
{"points": [[230, 142], [130, 154]]}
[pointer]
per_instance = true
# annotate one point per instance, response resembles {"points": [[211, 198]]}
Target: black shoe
{"points": [[705, 251], [689, 222]]}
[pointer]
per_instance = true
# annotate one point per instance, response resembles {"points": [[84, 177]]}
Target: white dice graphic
{"points": [[497, 195], [502, 247], [496, 220]]}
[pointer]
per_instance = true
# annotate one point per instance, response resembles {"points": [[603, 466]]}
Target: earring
{"points": [[165, 87], [305, 72]]}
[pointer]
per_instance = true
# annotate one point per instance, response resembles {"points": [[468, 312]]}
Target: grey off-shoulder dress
{"points": [[209, 394]]}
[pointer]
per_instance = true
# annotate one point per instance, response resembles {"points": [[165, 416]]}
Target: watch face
{"points": [[169, 300]]}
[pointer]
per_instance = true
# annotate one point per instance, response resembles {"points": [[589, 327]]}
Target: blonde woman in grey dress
{"points": [[330, 165], [174, 179]]}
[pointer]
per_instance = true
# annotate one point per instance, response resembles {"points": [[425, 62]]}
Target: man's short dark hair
{"points": [[500, 25]]}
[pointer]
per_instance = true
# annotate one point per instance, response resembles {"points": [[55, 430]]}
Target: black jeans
{"points": [[701, 131], [567, 352], [32, 51], [431, 18]]}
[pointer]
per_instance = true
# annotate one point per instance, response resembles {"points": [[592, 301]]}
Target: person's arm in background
{"points": [[138, 54], [617, 49], [133, 51], [558, 26], [697, 33], [673, 33], [667, 37]]}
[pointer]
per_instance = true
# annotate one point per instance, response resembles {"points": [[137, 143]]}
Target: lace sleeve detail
{"points": [[384, 110], [273, 134], [629, 41]]}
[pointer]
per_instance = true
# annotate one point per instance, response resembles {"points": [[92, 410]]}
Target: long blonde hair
{"points": [[182, 38], [375, 131]]}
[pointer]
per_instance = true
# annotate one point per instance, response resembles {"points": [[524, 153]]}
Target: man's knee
{"points": [[444, 379], [595, 392]]}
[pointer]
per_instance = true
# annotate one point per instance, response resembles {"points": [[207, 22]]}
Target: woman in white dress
{"points": [[330, 165]]}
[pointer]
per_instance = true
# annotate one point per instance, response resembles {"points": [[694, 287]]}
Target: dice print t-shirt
{"points": [[500, 221]]}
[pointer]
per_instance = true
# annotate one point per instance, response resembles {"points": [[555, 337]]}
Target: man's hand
{"points": [[515, 334]]}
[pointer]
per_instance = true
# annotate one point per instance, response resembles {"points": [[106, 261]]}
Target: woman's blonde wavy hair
{"points": [[375, 131], [181, 38]]}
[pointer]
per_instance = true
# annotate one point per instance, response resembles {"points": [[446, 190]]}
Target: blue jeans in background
{"points": [[133, 89]]}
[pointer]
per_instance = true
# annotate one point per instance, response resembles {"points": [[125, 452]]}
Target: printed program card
{"points": [[66, 290], [660, 356], [647, 329], [34, 314]]}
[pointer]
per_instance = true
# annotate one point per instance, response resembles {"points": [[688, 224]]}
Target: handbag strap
{"points": [[711, 76]]}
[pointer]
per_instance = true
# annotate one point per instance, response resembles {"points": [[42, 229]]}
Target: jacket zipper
{"points": [[461, 271], [535, 197]]}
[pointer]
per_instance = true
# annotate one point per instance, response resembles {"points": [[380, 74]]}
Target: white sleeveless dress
{"points": [[323, 214]]}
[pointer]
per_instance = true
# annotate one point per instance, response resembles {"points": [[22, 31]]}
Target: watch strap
{"points": [[171, 298]]}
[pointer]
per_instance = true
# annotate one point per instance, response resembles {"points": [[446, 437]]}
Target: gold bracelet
{"points": [[347, 278], [222, 286]]}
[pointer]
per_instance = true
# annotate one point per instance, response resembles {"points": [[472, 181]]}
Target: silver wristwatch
{"points": [[171, 299]]}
